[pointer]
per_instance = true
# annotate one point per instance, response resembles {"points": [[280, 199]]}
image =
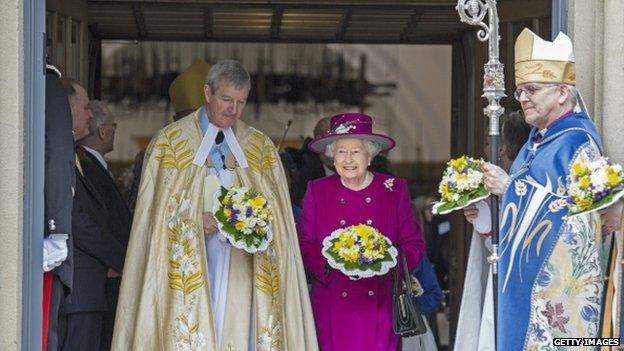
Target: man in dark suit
{"points": [[91, 152], [307, 165], [58, 191], [95, 249]]}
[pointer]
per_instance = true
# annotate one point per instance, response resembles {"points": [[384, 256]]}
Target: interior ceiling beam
{"points": [[208, 31], [410, 28], [140, 21], [276, 22], [331, 5], [431, 39], [344, 24]]}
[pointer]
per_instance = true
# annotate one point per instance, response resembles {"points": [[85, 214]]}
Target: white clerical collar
{"points": [[97, 155], [208, 141]]}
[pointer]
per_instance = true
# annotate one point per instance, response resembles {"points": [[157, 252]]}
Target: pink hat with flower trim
{"points": [[350, 125]]}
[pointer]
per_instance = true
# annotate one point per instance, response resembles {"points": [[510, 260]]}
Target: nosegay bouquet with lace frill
{"points": [[461, 185], [244, 218], [594, 185], [359, 251]]}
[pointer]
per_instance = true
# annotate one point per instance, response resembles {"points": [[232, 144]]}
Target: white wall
{"points": [[418, 115], [11, 165], [597, 28]]}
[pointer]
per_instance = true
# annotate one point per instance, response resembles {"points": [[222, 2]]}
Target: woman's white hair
{"points": [[372, 148]]}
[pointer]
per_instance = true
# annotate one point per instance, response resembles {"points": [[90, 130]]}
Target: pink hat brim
{"points": [[319, 144]]}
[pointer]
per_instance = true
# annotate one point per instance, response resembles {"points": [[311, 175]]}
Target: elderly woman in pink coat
{"points": [[355, 314]]}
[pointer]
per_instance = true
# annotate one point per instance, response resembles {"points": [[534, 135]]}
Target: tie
{"points": [[219, 138], [537, 138]]}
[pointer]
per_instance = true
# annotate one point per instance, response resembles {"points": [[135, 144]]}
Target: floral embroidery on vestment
{"points": [[185, 273]]}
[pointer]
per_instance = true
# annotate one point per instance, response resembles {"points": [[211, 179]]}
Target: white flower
{"points": [[343, 128], [177, 251], [185, 205], [599, 178], [197, 341], [187, 231], [265, 341], [186, 266], [389, 183], [173, 220]]}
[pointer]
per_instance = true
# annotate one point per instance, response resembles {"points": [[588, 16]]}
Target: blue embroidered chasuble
{"points": [[550, 266]]}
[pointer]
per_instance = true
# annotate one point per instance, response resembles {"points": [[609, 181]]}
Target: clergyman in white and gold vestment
{"points": [[185, 287]]}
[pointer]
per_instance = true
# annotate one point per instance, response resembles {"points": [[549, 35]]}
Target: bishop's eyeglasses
{"points": [[530, 90]]}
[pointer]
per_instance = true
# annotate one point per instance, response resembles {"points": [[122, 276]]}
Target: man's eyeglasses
{"points": [[530, 90]]}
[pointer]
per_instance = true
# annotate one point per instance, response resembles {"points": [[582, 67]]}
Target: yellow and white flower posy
{"points": [[244, 218], [359, 251], [461, 185], [594, 185]]}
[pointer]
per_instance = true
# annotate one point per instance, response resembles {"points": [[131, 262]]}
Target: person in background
{"points": [[91, 152], [287, 163], [306, 165], [477, 335], [612, 224], [95, 249], [436, 229], [355, 314], [429, 302], [59, 182], [186, 95], [514, 133]]}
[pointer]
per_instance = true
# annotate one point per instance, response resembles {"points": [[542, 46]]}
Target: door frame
{"points": [[34, 137]]}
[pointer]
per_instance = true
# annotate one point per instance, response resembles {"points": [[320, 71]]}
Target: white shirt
{"points": [[97, 155]]}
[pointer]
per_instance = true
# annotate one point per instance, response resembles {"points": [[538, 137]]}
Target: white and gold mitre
{"points": [[541, 61]]}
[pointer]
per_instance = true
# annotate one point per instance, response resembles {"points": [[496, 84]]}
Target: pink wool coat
{"points": [[356, 314]]}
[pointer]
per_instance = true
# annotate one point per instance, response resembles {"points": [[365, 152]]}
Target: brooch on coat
{"points": [[389, 183]]}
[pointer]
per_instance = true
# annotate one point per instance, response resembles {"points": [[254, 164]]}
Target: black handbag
{"points": [[406, 317]]}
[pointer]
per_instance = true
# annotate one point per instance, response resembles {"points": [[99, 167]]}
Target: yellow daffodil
{"points": [[613, 178], [584, 182], [257, 202], [240, 225], [458, 163], [461, 177], [337, 245], [579, 168], [363, 231], [350, 256], [444, 191], [583, 203]]}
